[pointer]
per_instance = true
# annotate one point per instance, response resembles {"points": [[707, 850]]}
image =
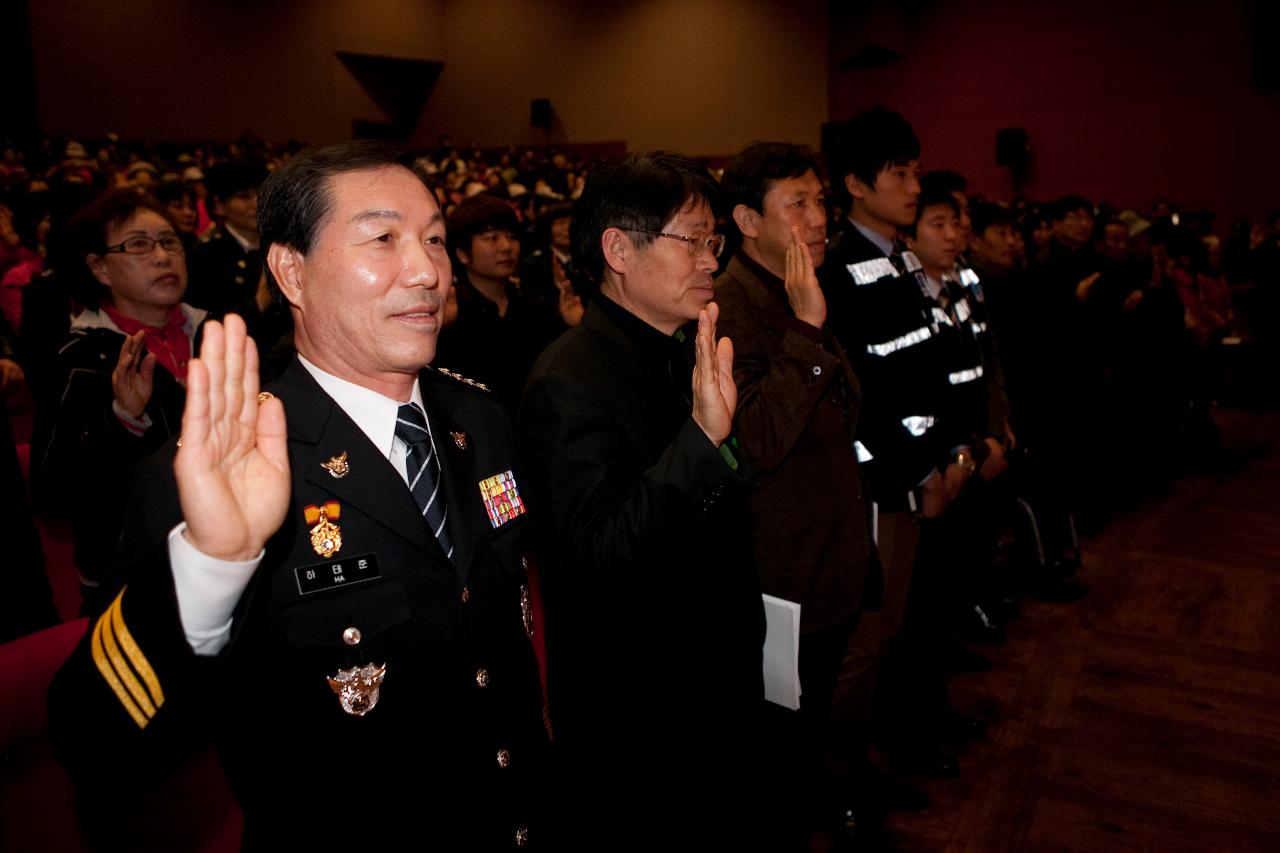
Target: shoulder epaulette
{"points": [[458, 377]]}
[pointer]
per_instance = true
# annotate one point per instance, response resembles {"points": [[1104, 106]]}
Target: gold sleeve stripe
{"points": [[136, 657], [109, 674], [122, 669]]}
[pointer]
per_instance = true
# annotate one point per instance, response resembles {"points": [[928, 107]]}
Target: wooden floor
{"points": [[1145, 717]]}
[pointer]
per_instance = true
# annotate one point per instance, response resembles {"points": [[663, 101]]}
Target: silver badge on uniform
{"points": [[358, 687]]}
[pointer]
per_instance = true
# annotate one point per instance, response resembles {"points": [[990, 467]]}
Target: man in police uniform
{"points": [[880, 311], [226, 266], [227, 263], [328, 578]]}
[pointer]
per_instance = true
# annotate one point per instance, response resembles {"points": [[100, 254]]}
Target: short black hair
{"points": [[749, 174], [224, 180], [951, 181], [475, 215], [549, 214], [167, 192], [637, 193], [296, 198], [988, 214], [933, 192], [872, 141], [1058, 210], [87, 235]]}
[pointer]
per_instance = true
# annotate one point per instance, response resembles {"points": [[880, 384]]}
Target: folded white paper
{"points": [[782, 652]]}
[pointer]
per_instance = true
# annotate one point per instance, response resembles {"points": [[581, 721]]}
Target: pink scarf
{"points": [[169, 343]]}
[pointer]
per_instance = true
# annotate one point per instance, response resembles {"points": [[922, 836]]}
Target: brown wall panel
{"points": [[185, 70], [700, 76]]}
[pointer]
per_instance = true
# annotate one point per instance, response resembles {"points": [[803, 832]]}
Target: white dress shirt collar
{"points": [[881, 242], [371, 411], [246, 245]]}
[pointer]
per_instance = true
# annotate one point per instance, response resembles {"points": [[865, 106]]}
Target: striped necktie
{"points": [[422, 468], [895, 257]]}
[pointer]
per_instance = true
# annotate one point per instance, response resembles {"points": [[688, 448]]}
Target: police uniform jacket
{"points": [[963, 364], [451, 754], [498, 350], [224, 277], [224, 280], [654, 617], [797, 412], [883, 318]]}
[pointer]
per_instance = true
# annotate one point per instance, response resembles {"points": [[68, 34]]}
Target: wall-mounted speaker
{"points": [[540, 113], [1013, 147]]}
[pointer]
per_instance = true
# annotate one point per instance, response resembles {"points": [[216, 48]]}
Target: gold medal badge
{"points": [[338, 467], [326, 537]]}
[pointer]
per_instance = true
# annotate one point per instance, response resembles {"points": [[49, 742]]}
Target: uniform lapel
{"points": [[320, 431]]}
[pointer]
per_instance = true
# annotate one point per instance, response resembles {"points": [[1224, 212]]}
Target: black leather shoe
{"points": [[925, 759], [978, 627], [960, 728]]}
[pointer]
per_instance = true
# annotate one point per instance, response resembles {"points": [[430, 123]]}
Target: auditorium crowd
{"points": [[936, 395]]}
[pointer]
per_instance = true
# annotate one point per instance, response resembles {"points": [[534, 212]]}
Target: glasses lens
{"points": [[139, 245], [171, 244], [716, 244]]}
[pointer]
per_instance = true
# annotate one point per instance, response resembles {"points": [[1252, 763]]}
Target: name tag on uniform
{"points": [[336, 573]]}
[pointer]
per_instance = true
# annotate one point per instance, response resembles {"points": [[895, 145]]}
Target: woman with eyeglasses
{"points": [[118, 386]]}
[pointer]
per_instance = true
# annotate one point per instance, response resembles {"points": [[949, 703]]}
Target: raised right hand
{"points": [[232, 466], [133, 378], [570, 304], [715, 395], [801, 283]]}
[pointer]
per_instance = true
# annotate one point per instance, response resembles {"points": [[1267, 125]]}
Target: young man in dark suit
{"points": [[882, 313], [327, 579]]}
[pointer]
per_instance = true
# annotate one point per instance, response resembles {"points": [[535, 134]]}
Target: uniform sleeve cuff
{"points": [[208, 590]]}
